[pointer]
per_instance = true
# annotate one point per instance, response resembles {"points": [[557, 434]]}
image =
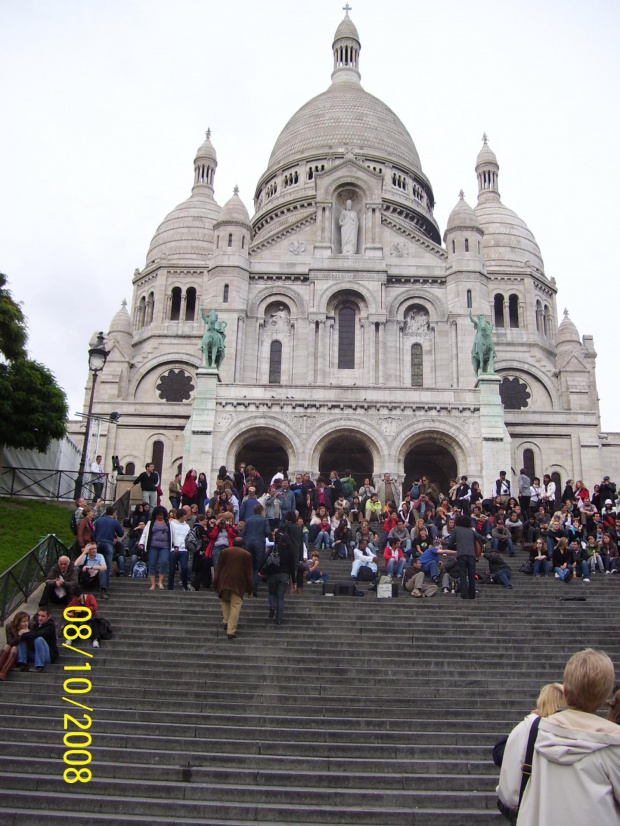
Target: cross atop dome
{"points": [[346, 9], [208, 133], [461, 195], [485, 139]]}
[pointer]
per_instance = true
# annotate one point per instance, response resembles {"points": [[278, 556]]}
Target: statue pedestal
{"points": [[495, 439], [198, 434]]}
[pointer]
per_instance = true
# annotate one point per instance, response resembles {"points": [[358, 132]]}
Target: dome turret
{"points": [[233, 228], [185, 236], [462, 215], [567, 333], [346, 48], [507, 239], [121, 325]]}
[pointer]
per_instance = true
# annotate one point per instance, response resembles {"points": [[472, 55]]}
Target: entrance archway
{"points": [[263, 451], [432, 460], [346, 451]]}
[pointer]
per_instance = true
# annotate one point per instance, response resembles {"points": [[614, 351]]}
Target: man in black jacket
{"points": [[149, 482], [39, 643]]}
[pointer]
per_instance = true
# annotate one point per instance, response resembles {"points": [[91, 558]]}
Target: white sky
{"points": [[104, 104]]}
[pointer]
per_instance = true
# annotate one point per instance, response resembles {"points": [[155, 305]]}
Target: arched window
{"points": [[230, 239], [513, 310], [498, 305], [467, 245], [158, 457], [469, 303], [190, 304], [555, 477], [528, 463], [346, 339], [546, 324], [453, 246], [141, 312], [275, 362], [130, 469], [417, 366], [226, 292], [175, 305], [538, 317], [150, 308]]}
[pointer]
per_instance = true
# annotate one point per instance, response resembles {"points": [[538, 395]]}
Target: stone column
{"points": [[198, 434], [494, 437]]}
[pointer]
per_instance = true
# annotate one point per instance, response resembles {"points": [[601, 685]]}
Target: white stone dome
{"points": [[462, 215], [507, 239], [234, 211], [186, 234], [121, 323], [206, 150], [345, 115], [567, 332], [346, 29]]}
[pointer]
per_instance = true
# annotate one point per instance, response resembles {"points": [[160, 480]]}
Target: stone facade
{"points": [[358, 360]]}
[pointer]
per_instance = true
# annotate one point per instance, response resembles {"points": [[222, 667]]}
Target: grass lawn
{"points": [[24, 523]]}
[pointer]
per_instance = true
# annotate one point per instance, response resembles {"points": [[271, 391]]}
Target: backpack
{"points": [[415, 491], [105, 629], [139, 570], [73, 524], [347, 490], [272, 562], [193, 542], [365, 574]]}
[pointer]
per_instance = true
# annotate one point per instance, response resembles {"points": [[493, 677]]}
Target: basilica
{"points": [[349, 318]]}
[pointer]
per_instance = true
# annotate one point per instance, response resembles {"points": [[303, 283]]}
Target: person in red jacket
{"points": [[394, 558], [81, 600]]}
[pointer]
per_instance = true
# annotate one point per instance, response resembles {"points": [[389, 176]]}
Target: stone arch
{"points": [[352, 177], [447, 435], [168, 450], [328, 296], [256, 308], [355, 426], [517, 455], [277, 430], [154, 365], [437, 310]]}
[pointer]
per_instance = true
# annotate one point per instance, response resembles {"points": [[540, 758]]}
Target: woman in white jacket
{"points": [[575, 776]]}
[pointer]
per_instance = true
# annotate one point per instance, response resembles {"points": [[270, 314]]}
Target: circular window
{"points": [[514, 394], [175, 386]]}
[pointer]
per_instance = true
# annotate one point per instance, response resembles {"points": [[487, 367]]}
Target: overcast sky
{"points": [[104, 104]]}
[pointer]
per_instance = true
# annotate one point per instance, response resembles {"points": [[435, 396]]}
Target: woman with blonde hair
{"points": [[575, 764], [8, 655]]}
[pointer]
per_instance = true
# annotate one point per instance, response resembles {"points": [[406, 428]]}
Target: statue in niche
{"points": [[416, 322], [483, 349], [213, 341], [349, 225], [279, 319]]}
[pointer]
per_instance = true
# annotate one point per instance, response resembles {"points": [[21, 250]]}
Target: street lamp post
{"points": [[97, 357]]}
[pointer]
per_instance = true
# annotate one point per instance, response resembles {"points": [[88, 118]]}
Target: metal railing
{"points": [[21, 580], [39, 483]]}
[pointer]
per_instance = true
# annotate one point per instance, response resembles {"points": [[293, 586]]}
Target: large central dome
{"points": [[345, 116]]}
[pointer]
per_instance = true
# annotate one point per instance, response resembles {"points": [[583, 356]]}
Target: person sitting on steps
{"points": [[8, 656]]}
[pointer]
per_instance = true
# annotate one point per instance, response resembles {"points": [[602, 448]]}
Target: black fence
{"points": [[38, 483], [21, 580]]}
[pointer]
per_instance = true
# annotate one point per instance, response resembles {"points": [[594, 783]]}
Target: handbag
{"points": [[508, 812]]}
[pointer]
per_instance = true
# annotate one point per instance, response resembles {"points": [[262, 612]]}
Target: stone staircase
{"points": [[356, 710]]}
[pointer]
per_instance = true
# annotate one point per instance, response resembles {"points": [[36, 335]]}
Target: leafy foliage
{"points": [[13, 333], [33, 409]]}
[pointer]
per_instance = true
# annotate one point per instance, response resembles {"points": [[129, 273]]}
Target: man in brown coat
{"points": [[234, 577], [59, 582]]}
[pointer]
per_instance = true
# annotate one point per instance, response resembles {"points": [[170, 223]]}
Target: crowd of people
{"points": [[427, 539]]}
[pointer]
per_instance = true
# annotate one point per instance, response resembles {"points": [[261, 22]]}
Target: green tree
{"points": [[13, 333], [33, 408]]}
